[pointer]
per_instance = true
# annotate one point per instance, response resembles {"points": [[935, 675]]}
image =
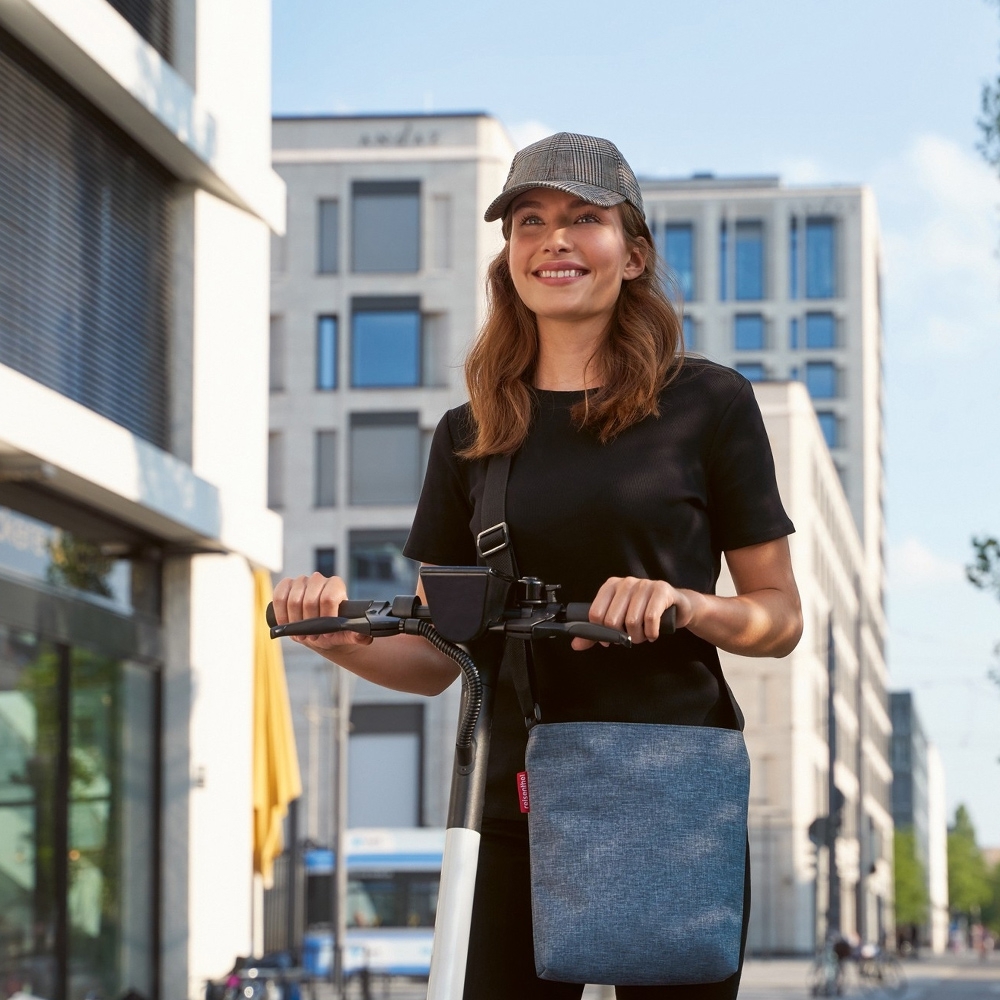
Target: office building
{"points": [[918, 804], [376, 292], [136, 200], [838, 665], [784, 283]]}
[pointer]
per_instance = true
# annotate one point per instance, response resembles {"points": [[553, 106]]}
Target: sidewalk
{"points": [[939, 977]]}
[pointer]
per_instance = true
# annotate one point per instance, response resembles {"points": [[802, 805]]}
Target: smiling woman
{"points": [[632, 469]]}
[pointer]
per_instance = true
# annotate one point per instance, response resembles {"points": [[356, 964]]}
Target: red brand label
{"points": [[522, 791]]}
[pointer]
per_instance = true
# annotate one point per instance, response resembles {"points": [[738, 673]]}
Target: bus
{"points": [[392, 891]]}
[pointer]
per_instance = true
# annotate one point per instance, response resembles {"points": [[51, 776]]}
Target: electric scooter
{"points": [[466, 605]]}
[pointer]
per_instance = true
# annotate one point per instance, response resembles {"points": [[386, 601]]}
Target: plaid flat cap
{"points": [[584, 165]]}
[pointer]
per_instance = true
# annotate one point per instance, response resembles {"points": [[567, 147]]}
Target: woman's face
{"points": [[568, 258]]}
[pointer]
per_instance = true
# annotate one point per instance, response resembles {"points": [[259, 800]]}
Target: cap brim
{"points": [[588, 192]]}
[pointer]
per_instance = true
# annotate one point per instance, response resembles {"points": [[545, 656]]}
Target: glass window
{"points": [[830, 426], [821, 379], [821, 269], [276, 354], [384, 779], [378, 568], [78, 756], [821, 330], [793, 259], [326, 352], [441, 212], [690, 337], [328, 237], [723, 262], [275, 470], [386, 342], [793, 333], [386, 458], [678, 252], [385, 227], [749, 332], [325, 494], [325, 561], [754, 371], [749, 260]]}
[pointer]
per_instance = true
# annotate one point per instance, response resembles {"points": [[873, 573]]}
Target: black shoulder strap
{"points": [[495, 549]]}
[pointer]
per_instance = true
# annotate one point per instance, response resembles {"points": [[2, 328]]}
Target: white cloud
{"points": [[525, 133], [940, 228], [802, 170], [913, 564]]}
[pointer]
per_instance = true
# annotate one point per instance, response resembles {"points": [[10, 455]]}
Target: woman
{"points": [[634, 469]]}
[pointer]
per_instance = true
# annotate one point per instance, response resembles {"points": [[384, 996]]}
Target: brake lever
{"points": [[314, 626], [581, 630]]}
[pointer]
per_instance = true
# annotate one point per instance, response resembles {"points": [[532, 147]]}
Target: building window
{"points": [[385, 762], [378, 568], [749, 260], [723, 262], [325, 483], [793, 334], [386, 458], [276, 354], [793, 259], [385, 227], [678, 252], [690, 334], [821, 379], [275, 470], [326, 352], [325, 561], [86, 251], [328, 241], [821, 269], [754, 371], [386, 342], [749, 332], [830, 426], [821, 330]]}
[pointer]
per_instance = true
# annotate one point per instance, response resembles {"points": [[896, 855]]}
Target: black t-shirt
{"points": [[661, 501]]}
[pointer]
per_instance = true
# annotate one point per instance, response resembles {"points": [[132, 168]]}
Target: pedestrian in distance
{"points": [[635, 469]]}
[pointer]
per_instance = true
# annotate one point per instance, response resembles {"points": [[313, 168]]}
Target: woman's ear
{"points": [[635, 263]]}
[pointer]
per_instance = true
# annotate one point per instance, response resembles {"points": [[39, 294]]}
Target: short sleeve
{"points": [[743, 502], [440, 533]]}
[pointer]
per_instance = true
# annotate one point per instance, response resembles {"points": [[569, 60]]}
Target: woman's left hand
{"points": [[635, 606]]}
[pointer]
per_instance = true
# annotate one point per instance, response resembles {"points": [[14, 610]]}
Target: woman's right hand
{"points": [[299, 597]]}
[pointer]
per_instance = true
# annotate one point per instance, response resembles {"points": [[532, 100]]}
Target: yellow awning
{"points": [[276, 780]]}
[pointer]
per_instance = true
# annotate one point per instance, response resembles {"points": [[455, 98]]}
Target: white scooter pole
{"points": [[461, 858]]}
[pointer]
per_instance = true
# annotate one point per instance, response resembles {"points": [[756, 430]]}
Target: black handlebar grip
{"points": [[348, 609], [578, 612]]}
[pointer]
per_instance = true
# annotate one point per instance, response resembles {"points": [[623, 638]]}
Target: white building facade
{"points": [[136, 202], [838, 665], [376, 293]]}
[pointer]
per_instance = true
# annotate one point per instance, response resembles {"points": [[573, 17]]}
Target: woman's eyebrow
{"points": [[526, 204]]}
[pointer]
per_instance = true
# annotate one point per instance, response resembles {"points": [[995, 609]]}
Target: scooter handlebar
{"points": [[577, 612], [347, 609]]}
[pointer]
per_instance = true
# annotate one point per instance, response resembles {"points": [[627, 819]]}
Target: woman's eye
{"points": [[529, 220], [588, 217]]}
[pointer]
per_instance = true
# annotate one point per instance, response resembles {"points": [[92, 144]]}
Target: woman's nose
{"points": [[558, 239]]}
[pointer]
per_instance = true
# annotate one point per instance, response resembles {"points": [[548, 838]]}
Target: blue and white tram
{"points": [[392, 891]]}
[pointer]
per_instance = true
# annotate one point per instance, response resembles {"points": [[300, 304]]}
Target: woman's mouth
{"points": [[562, 272]]}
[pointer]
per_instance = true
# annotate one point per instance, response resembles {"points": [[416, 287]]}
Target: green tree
{"points": [[911, 881], [969, 886], [991, 912], [984, 570]]}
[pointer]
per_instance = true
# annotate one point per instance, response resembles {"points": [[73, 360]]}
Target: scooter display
{"points": [[465, 606]]}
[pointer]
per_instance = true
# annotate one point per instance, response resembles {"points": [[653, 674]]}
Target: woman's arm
{"points": [[764, 619], [401, 662]]}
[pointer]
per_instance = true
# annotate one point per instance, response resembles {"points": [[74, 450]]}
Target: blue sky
{"points": [[881, 92]]}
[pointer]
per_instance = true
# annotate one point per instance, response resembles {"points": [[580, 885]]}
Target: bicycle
{"points": [[877, 971], [465, 604]]}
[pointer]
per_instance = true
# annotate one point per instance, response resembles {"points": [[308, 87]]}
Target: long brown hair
{"points": [[642, 352]]}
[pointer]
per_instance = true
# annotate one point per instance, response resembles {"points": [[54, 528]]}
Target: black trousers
{"points": [[501, 963]]}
